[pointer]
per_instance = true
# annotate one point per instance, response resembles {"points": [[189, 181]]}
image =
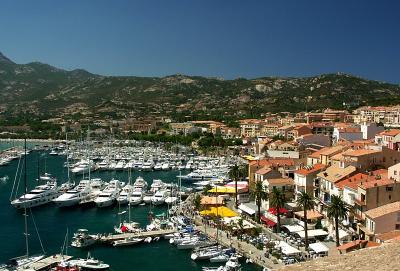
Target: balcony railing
{"points": [[360, 202]]}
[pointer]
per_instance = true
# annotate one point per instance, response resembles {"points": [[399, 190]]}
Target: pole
{"points": [[25, 213]]}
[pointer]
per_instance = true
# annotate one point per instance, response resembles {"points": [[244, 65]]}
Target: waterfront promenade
{"points": [[249, 251]]}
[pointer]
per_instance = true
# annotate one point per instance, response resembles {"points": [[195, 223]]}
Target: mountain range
{"points": [[42, 90]]}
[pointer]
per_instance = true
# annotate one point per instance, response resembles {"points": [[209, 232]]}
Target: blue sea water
{"points": [[52, 222]]}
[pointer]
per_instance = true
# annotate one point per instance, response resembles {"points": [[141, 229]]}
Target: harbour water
{"points": [[52, 222]]}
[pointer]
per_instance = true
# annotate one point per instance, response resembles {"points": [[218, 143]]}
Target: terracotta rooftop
{"points": [[377, 179], [272, 162], [362, 152], [383, 210], [357, 244], [311, 214], [353, 181], [306, 171], [332, 150], [280, 181], [388, 236], [334, 173], [392, 132], [317, 153], [263, 171]]}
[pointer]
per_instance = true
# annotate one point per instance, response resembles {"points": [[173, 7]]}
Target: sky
{"points": [[229, 39]]}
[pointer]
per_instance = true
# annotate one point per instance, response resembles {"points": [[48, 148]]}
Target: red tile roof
{"points": [[272, 162], [306, 171], [392, 132]]}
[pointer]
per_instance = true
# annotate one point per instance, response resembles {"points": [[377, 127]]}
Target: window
{"points": [[397, 226], [388, 188], [390, 197], [398, 217]]}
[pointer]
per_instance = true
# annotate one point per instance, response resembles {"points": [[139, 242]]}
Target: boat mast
{"points": [[66, 142], [25, 213]]}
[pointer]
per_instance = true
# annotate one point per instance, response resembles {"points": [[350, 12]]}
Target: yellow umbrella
{"points": [[221, 211], [222, 189]]}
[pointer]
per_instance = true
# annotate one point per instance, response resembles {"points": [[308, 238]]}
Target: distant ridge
{"points": [[41, 90]]}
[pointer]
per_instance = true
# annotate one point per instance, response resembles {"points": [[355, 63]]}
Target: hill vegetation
{"points": [[41, 90]]}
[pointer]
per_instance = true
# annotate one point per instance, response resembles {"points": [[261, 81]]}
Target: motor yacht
{"points": [[125, 194], [127, 241], [148, 166], [136, 197], [89, 264], [140, 183], [109, 195], [165, 166], [40, 195], [159, 197], [74, 196], [158, 166], [82, 238]]}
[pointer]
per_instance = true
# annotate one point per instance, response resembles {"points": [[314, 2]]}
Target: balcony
{"points": [[360, 202]]}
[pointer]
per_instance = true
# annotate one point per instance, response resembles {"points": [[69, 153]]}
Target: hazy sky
{"points": [[206, 37]]}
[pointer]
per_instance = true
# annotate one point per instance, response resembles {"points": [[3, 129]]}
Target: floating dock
{"points": [[49, 262], [114, 237]]}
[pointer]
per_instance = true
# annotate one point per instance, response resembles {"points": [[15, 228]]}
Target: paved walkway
{"points": [[246, 249]]}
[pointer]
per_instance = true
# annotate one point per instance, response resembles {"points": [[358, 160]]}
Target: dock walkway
{"points": [[48, 262]]}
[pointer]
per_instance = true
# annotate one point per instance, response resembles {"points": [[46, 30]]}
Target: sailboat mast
{"points": [[25, 213], [66, 142]]}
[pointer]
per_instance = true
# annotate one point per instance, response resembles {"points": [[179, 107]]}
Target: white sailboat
{"points": [[23, 262]]}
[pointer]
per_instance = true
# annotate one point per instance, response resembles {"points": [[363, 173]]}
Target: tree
{"points": [[336, 210], [197, 202], [234, 175], [306, 202], [277, 200], [259, 194], [207, 188]]}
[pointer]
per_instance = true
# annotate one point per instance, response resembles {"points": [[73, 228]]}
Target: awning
{"points": [[318, 247], [247, 209], [268, 222], [227, 190], [219, 211], [311, 214], [273, 211], [293, 228], [312, 233], [343, 234], [286, 248]]}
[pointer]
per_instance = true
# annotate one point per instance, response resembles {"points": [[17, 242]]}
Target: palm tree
{"points": [[337, 209], [197, 202], [234, 175], [259, 194], [306, 202], [277, 200]]}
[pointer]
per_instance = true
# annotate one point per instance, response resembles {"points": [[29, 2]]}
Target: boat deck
{"points": [[48, 262], [115, 237]]}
